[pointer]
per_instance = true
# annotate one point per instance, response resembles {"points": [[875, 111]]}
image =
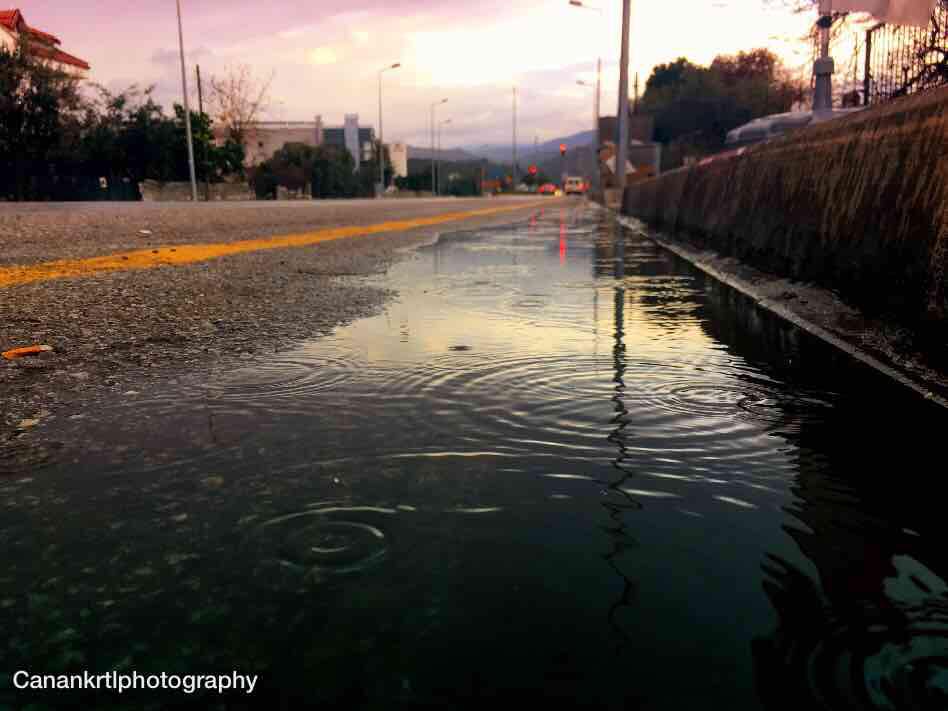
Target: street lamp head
{"points": [[396, 65]]}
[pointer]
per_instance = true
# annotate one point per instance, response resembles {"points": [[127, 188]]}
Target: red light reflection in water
{"points": [[562, 243]]}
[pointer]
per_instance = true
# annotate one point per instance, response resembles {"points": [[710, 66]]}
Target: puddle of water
{"points": [[563, 463]]}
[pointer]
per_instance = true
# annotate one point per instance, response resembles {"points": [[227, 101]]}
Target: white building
{"points": [[264, 138], [398, 154], [14, 30]]}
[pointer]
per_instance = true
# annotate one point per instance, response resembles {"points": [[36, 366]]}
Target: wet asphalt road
{"points": [[112, 331]]}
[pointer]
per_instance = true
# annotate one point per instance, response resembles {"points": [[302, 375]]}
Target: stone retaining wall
{"points": [[154, 191], [857, 204]]}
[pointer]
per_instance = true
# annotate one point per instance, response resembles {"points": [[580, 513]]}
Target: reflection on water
{"points": [[563, 464]]}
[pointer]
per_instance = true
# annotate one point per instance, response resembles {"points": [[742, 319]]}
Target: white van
{"points": [[574, 186]]}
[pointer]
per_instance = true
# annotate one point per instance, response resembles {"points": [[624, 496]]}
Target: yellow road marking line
{"points": [[190, 253]]}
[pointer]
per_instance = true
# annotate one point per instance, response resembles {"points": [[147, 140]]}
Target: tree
{"points": [[539, 178], [416, 182], [213, 162], [237, 100], [756, 65], [333, 173], [695, 107], [35, 102]]}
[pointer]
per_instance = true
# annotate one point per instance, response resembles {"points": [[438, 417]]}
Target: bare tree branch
{"points": [[238, 99]]}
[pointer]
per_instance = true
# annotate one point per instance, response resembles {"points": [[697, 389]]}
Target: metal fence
{"points": [[903, 60]]}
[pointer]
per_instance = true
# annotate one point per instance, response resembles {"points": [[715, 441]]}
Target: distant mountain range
{"points": [[546, 156], [451, 155], [530, 153]]}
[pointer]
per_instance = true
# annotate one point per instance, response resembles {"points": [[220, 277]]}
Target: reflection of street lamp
{"points": [[443, 123], [595, 167], [187, 110], [381, 141], [596, 136], [434, 189]]}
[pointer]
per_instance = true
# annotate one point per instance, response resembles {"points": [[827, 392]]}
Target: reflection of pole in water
{"points": [[596, 322], [618, 501], [618, 243]]}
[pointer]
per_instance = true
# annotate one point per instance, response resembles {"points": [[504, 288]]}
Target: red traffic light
{"points": [[562, 149], [533, 170]]}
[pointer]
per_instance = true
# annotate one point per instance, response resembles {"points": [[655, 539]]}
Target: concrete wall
{"points": [[858, 204], [262, 140], [153, 191]]}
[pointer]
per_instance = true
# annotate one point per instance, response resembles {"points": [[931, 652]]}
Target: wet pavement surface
{"points": [[115, 330], [562, 464]]}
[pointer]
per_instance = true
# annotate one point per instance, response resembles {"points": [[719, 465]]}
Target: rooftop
{"points": [[44, 44]]}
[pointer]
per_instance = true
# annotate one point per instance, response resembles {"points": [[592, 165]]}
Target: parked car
{"points": [[547, 189], [574, 186]]}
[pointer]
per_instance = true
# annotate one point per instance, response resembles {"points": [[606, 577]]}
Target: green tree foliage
{"points": [[329, 171], [461, 186], [417, 182], [536, 180], [698, 105], [36, 104], [56, 144], [128, 135], [334, 173]]}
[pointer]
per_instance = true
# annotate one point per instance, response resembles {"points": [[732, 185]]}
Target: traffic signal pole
{"points": [[563, 165]]}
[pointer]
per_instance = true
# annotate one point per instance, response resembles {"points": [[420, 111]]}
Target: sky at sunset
{"points": [[326, 54]]}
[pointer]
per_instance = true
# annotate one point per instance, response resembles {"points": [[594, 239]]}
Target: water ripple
{"points": [[325, 539]]}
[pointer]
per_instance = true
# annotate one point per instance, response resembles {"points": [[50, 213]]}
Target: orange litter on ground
{"points": [[26, 351]]}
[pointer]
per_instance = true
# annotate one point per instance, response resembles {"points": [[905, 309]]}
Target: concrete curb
{"points": [[748, 289]]}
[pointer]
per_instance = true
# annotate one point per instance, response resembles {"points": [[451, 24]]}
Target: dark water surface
{"points": [[562, 464]]}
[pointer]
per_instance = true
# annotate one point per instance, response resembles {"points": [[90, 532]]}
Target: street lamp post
{"points": [[516, 172], [595, 169], [187, 110], [622, 142], [598, 102], [381, 136], [442, 123], [434, 188]]}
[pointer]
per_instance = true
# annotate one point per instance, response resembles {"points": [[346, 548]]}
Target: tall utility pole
{"points": [[622, 140], [823, 67], [516, 173], [207, 172], [596, 137], [434, 187], [381, 137], [187, 110], [594, 174], [442, 123]]}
